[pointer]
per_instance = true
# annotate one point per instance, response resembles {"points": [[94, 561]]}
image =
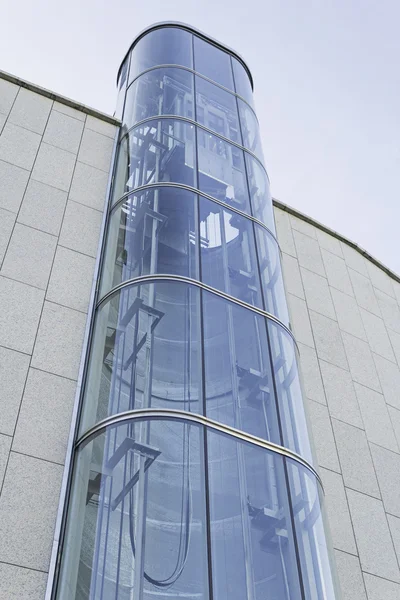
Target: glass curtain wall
{"points": [[193, 475]]}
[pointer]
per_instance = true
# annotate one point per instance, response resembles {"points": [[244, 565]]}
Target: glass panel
{"points": [[312, 535], [261, 199], [242, 81], [159, 150], [271, 274], [239, 388], [136, 526], [165, 46], [221, 171], [151, 232], [159, 92], [122, 89], [145, 352], [213, 63], [217, 110], [289, 392], [250, 130], [228, 254], [253, 556]]}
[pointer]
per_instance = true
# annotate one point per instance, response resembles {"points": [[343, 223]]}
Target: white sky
{"points": [[327, 89]]}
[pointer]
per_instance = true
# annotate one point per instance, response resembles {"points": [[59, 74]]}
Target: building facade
{"points": [[149, 240]]}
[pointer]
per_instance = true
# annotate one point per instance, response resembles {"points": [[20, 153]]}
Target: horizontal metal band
{"points": [[182, 279], [196, 124], [188, 188], [173, 66], [182, 415], [194, 31]]}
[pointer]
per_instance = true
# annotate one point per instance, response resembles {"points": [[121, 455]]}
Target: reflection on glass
{"points": [[242, 81], [289, 395], [311, 534], [261, 200], [165, 46], [217, 109], [252, 548], [159, 150], [136, 525], [152, 231], [212, 62], [160, 92], [228, 256], [250, 130], [145, 352], [239, 387]]}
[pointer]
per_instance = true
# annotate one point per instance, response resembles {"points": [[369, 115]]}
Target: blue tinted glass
{"points": [[217, 109], [250, 130], [159, 92], [151, 232], [261, 199], [242, 81], [252, 546], [228, 254], [165, 46], [213, 63]]}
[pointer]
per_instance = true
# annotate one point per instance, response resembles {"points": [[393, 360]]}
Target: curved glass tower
{"points": [[193, 475]]}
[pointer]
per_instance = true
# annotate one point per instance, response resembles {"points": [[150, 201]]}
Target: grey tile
{"points": [[308, 253], [364, 292], [395, 418], [376, 419], [303, 227], [5, 445], [8, 93], [80, 230], [387, 467], [284, 232], [396, 290], [348, 314], [395, 341], [350, 576], [63, 132], [300, 320], [389, 377], [7, 220], [43, 207], [355, 458], [45, 416], [323, 436], [30, 110], [69, 111], [101, 126], [380, 279], [317, 293], [29, 256], [27, 534], [21, 306], [71, 279], [338, 512], [328, 341], [13, 370], [96, 150], [377, 335], [54, 167], [340, 394], [2, 122], [381, 589], [389, 309], [394, 526], [329, 242], [362, 367], [312, 381], [13, 183], [354, 260], [89, 186], [337, 273], [374, 543], [18, 583], [19, 146], [59, 341]]}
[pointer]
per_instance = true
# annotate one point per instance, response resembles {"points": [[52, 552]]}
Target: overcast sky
{"points": [[327, 89]]}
